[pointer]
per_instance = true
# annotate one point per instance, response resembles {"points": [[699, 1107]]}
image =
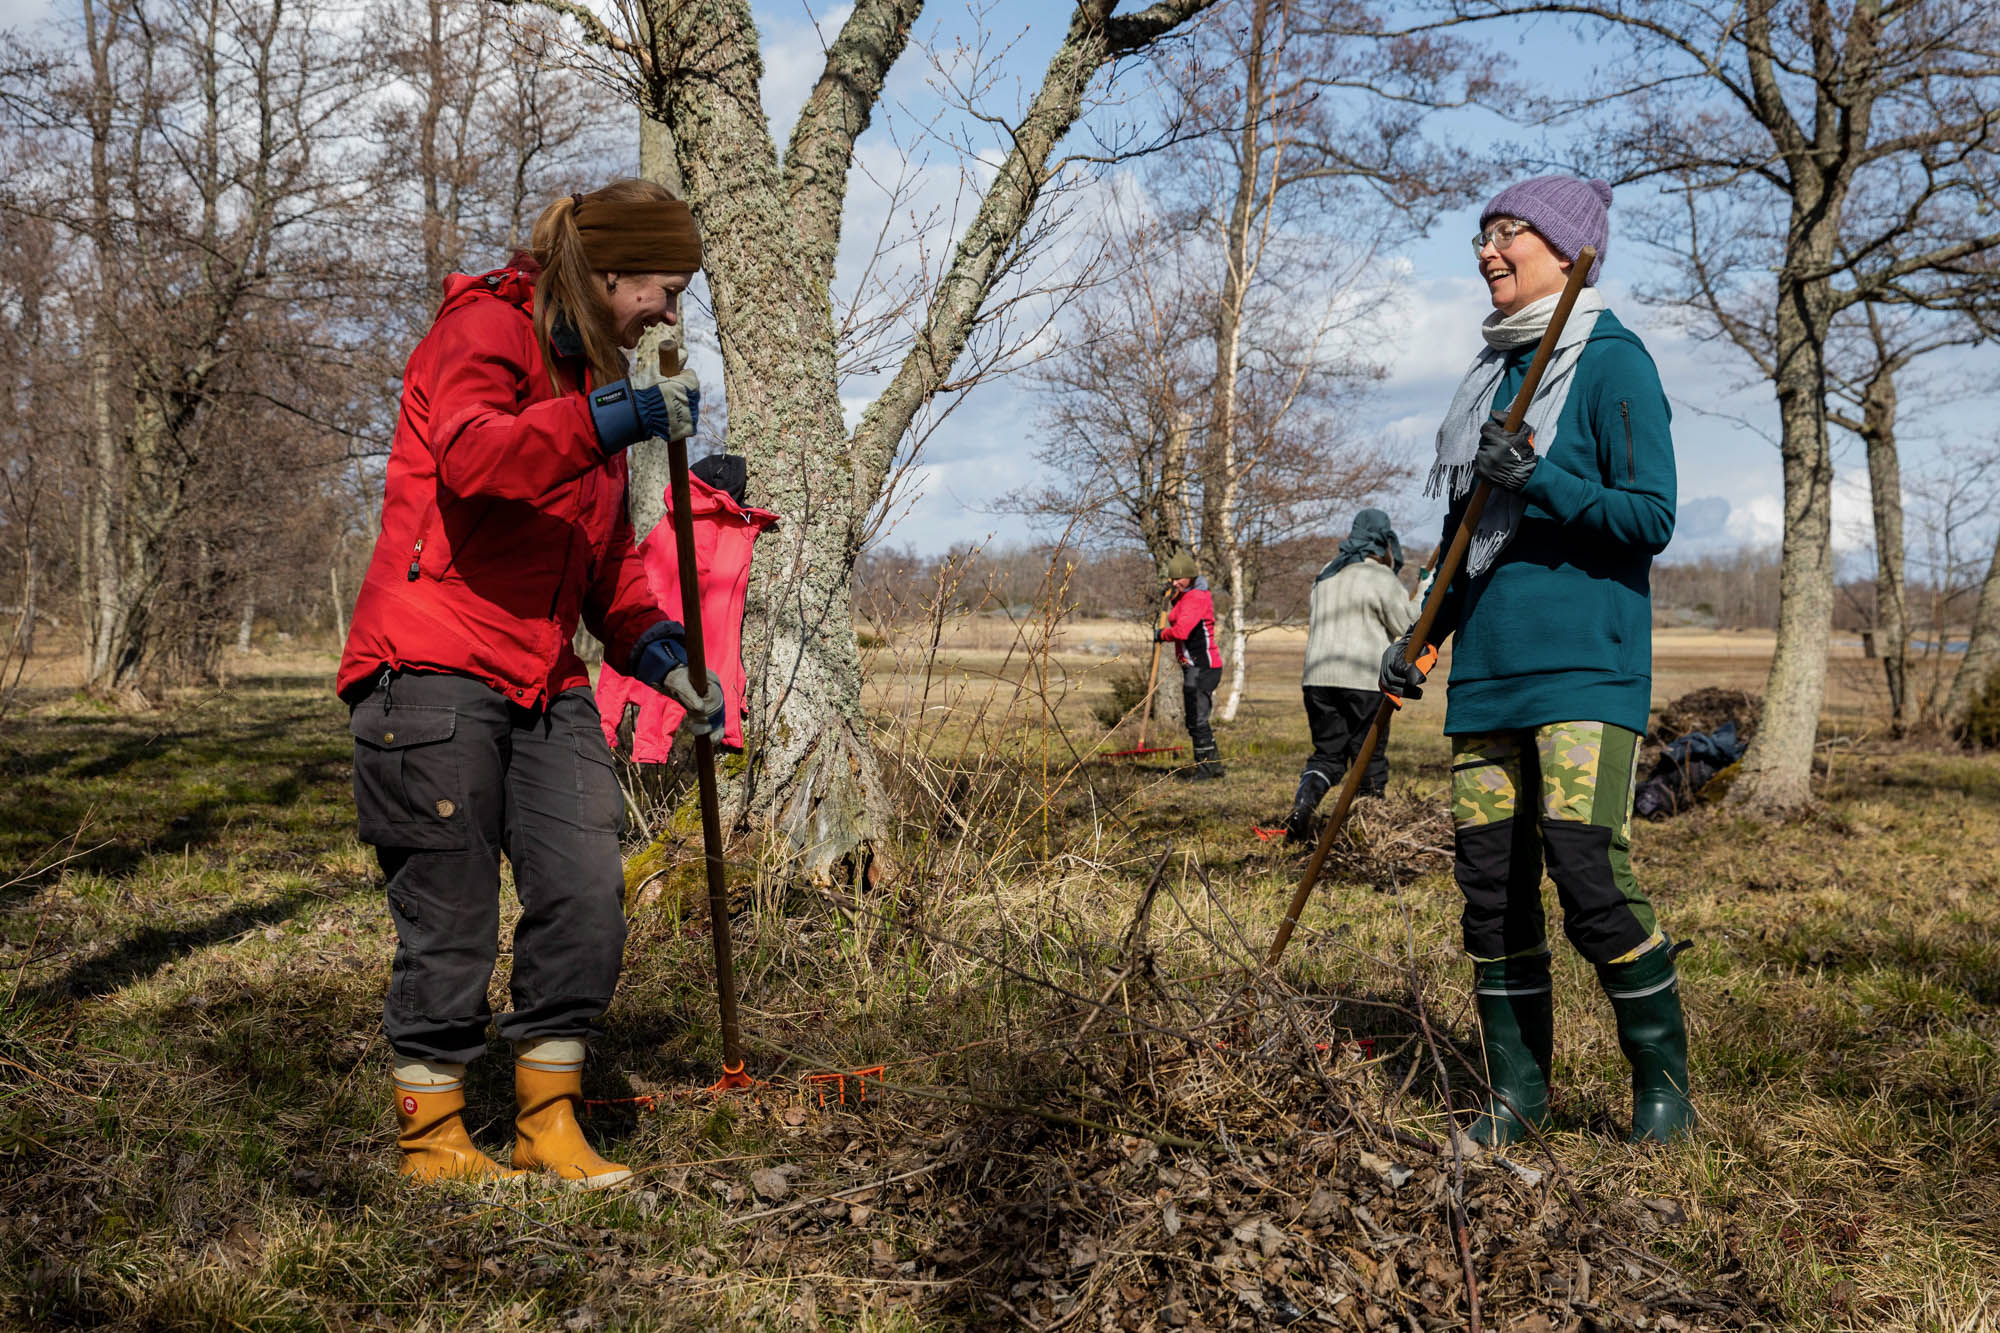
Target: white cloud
{"points": [[1757, 520], [794, 57], [1853, 512], [1438, 334]]}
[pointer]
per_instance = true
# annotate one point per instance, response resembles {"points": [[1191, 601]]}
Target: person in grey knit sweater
{"points": [[1359, 607]]}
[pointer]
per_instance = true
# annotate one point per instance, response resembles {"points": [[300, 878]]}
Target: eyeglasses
{"points": [[1500, 235]]}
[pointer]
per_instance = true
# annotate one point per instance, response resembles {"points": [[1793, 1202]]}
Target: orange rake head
{"points": [[837, 1084]]}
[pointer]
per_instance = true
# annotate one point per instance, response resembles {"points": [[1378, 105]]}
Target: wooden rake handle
{"points": [[1448, 567], [1152, 681], [704, 754]]}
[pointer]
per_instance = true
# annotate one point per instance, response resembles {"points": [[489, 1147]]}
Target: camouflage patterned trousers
{"points": [[1560, 794]]}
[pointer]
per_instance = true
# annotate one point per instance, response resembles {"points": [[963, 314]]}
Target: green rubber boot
{"points": [[1517, 1036], [1645, 994]]}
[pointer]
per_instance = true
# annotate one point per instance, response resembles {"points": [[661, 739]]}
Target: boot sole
{"points": [[603, 1180], [503, 1176], [606, 1181]]}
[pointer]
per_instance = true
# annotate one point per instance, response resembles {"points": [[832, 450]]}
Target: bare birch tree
{"points": [[1117, 450], [1122, 459], [1305, 148]]}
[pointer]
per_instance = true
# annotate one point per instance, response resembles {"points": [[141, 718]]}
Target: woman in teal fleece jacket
{"points": [[1551, 675]]}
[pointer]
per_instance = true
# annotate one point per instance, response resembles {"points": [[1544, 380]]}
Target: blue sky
{"points": [[1725, 428], [1724, 431]]}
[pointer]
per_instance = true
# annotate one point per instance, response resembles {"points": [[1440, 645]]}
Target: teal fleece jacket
{"points": [[1560, 628]]}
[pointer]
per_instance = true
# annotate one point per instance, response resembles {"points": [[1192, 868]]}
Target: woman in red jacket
{"points": [[475, 734]]}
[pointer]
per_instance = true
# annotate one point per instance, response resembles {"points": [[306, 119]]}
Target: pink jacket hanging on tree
{"points": [[724, 534]]}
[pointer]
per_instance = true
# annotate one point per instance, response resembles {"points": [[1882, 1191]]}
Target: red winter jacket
{"points": [[724, 535], [1191, 628], [502, 520]]}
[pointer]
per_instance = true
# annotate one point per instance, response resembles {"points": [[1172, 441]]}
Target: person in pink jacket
{"points": [[1190, 628]]}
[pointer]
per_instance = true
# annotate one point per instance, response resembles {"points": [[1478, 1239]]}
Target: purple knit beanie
{"points": [[1568, 212]]}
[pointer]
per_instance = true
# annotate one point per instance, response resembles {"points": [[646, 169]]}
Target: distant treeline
{"points": [[1724, 590], [894, 584]]}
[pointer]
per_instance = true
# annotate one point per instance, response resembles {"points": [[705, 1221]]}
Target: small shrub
{"points": [[1128, 690]]}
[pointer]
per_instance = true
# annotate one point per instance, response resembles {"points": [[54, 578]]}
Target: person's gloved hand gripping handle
{"points": [[645, 407], [1402, 679], [1505, 458], [660, 660]]}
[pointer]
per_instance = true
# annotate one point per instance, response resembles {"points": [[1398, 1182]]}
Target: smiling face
{"points": [[638, 301], [1523, 273]]}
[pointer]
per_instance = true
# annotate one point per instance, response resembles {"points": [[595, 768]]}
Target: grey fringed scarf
{"points": [[1458, 437]]}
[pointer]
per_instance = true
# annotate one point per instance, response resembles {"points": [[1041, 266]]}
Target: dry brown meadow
{"points": [[1090, 1116]]}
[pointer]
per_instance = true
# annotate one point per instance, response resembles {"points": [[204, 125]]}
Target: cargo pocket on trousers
{"points": [[600, 801], [406, 785]]}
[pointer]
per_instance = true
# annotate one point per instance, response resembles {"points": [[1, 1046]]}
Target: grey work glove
{"points": [[1505, 458], [704, 711], [1400, 679], [677, 410]]}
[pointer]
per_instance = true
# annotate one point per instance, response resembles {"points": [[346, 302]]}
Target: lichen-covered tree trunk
{"points": [[1819, 161], [771, 229], [1982, 649], [1777, 770], [1885, 492], [812, 773]]}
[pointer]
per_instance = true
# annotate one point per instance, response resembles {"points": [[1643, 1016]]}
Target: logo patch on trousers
{"points": [[409, 1104]]}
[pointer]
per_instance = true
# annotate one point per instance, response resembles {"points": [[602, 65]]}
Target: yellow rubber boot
{"points": [[548, 1088], [430, 1101]]}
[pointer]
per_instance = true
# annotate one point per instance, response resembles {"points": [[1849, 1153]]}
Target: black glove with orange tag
{"points": [[1402, 679]]}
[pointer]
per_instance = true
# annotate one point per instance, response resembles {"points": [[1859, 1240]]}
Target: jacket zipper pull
{"points": [[416, 556]]}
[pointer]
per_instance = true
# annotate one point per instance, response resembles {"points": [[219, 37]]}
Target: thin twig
{"points": [[835, 1196]]}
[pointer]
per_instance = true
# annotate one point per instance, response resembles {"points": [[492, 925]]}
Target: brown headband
{"points": [[644, 236]]}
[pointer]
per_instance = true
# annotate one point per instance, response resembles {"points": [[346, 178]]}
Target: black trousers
{"points": [[1197, 702], [448, 775], [1339, 718]]}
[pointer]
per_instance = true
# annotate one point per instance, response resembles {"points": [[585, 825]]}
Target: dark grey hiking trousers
{"points": [[1197, 702], [448, 775]]}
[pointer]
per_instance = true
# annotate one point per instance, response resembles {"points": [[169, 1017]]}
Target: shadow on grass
{"points": [[262, 772], [147, 950]]}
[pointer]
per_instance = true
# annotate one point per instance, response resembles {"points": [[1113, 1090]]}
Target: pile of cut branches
{"points": [[1201, 1153]]}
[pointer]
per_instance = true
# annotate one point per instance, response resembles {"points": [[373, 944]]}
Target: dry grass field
{"points": [[1087, 1117]]}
